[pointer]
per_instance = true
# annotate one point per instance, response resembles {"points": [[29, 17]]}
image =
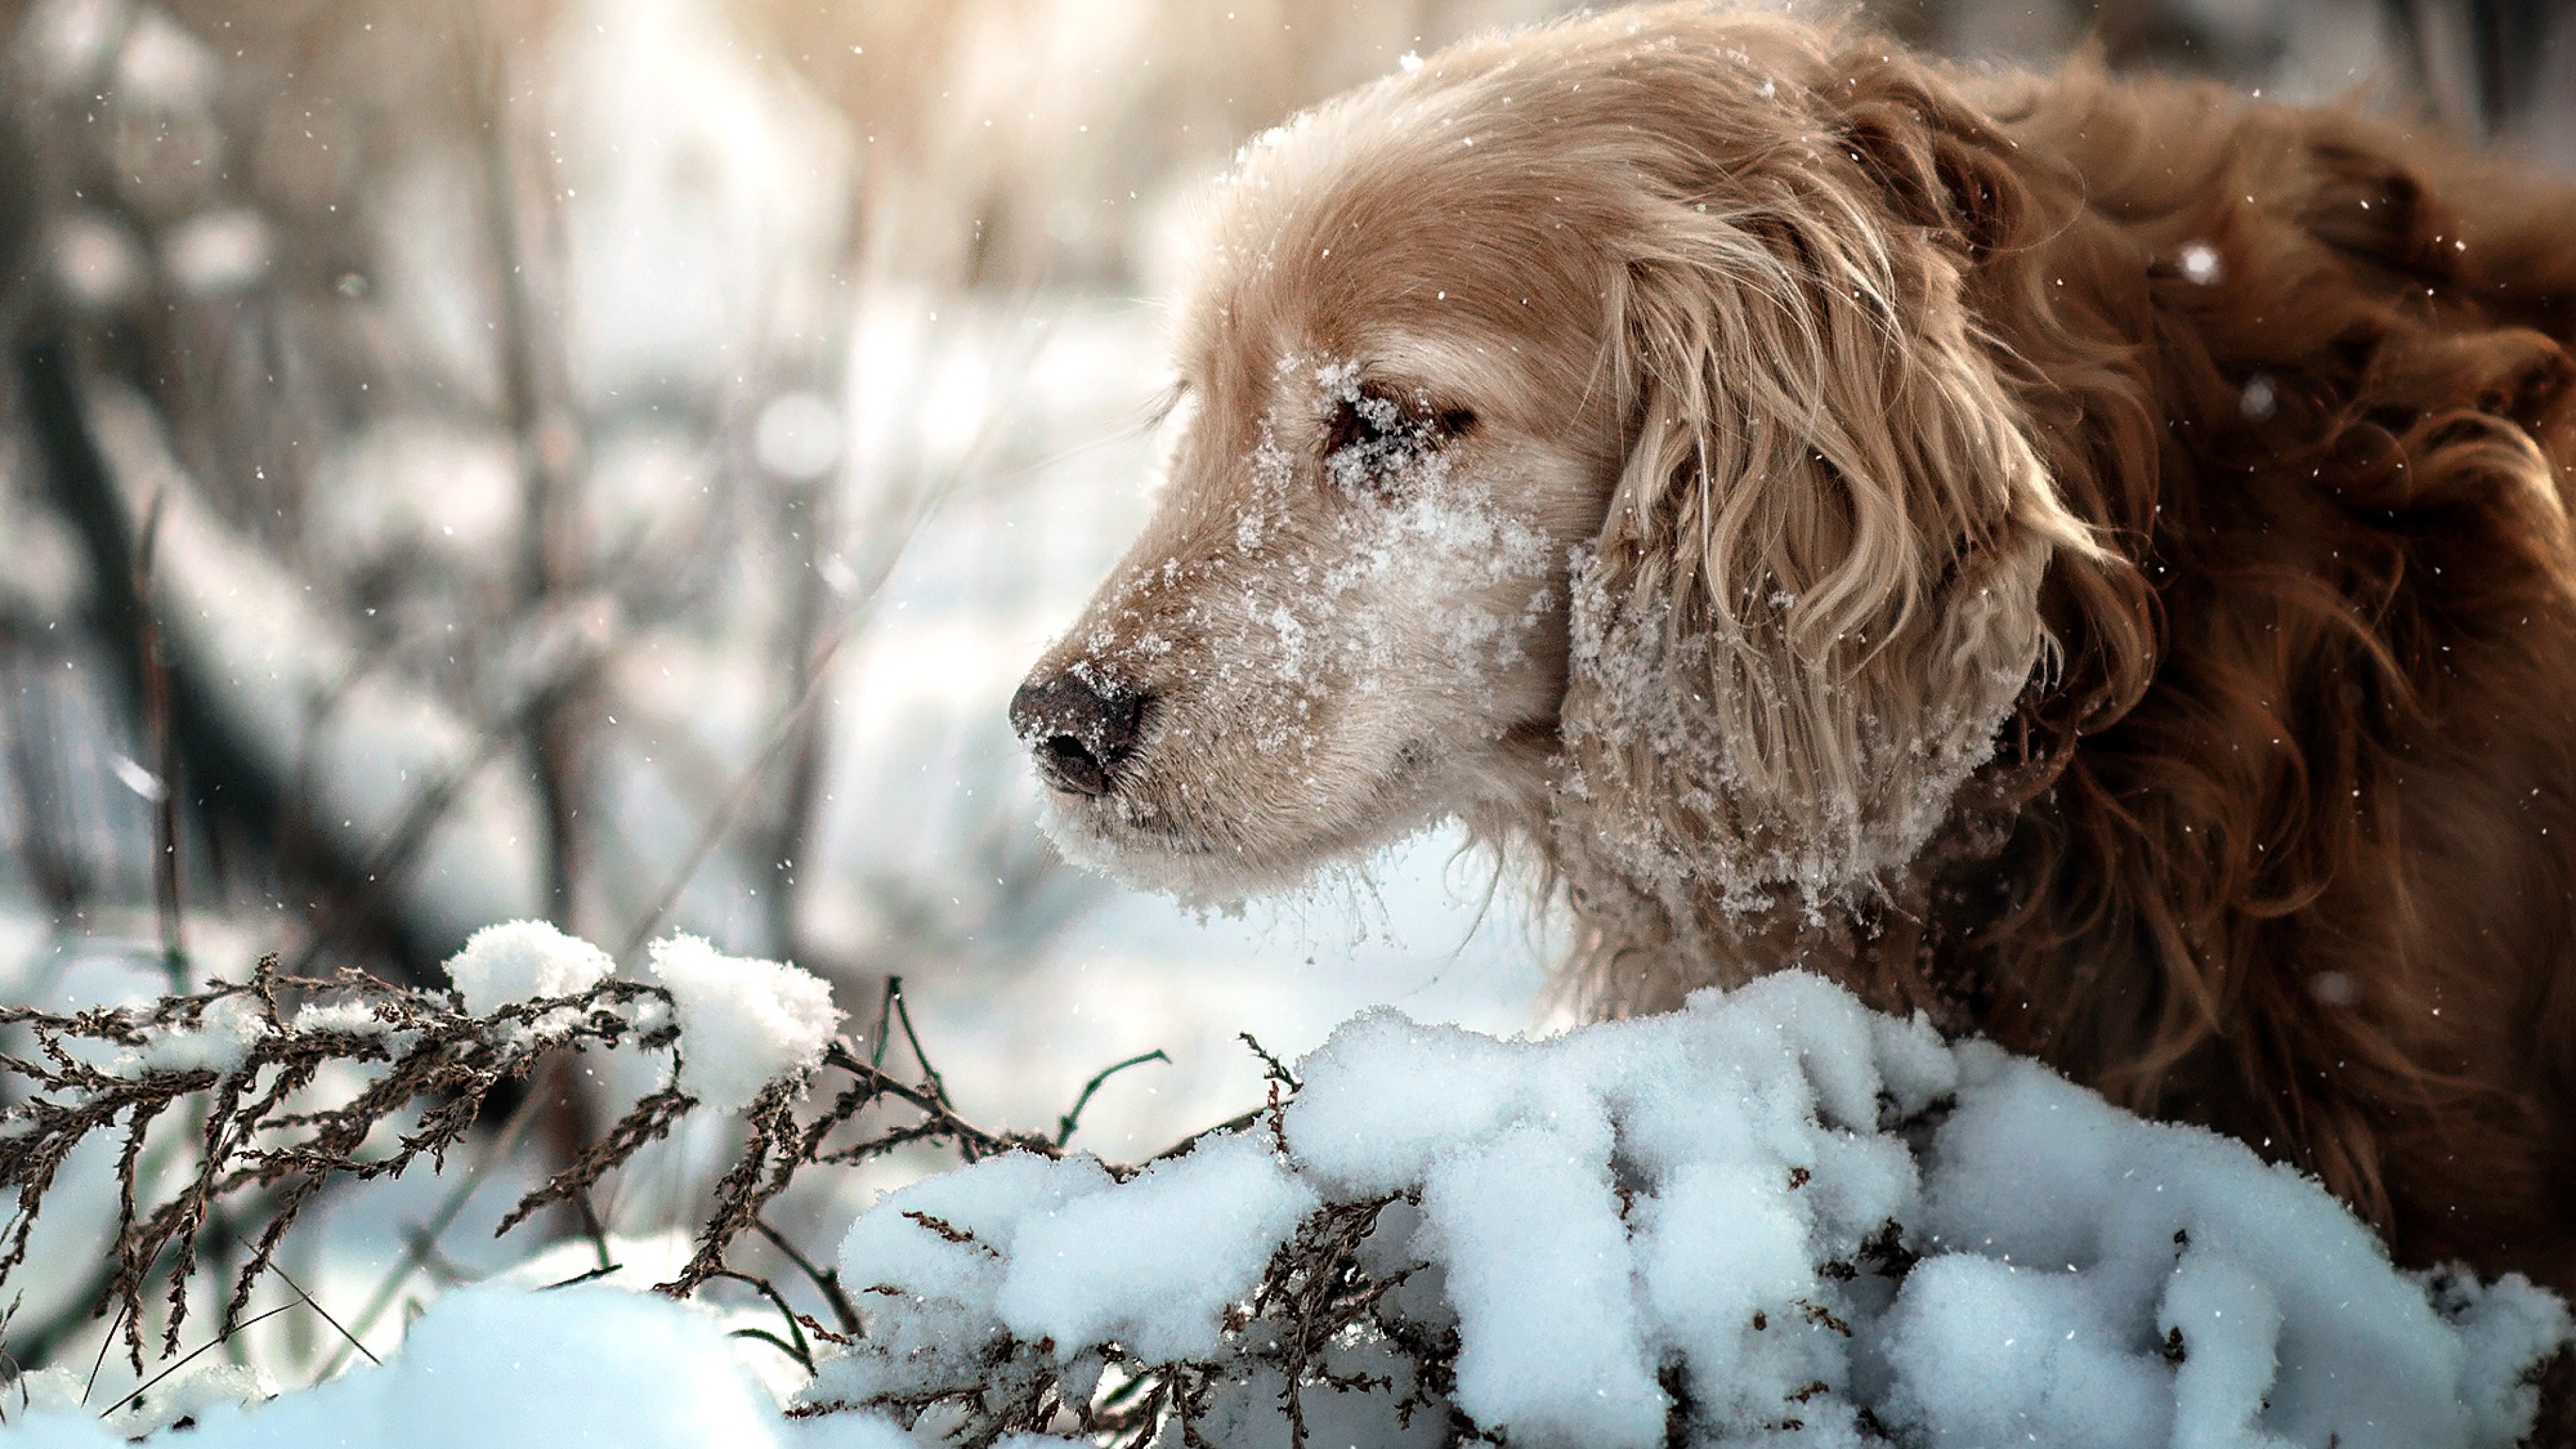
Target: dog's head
{"points": [[1581, 431]]}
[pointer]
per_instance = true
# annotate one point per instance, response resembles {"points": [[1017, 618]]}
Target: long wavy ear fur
{"points": [[1816, 597]]}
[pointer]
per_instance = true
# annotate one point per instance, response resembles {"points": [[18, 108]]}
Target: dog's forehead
{"points": [[1337, 278], [1357, 268]]}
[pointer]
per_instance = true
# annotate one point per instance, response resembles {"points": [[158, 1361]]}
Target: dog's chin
{"points": [[1139, 845]]}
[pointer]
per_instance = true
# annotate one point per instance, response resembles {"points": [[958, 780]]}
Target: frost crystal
{"points": [[221, 1041], [353, 1018], [744, 1023]]}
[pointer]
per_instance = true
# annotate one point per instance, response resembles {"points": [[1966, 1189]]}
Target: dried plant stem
{"points": [[266, 1132], [220, 1339], [323, 1313], [230, 1057], [161, 743], [424, 1241], [826, 1281], [1065, 1124]]}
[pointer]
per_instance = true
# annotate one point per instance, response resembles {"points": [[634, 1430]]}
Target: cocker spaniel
{"points": [[2088, 558]]}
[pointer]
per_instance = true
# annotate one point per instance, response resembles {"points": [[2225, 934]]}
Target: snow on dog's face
{"points": [[1574, 444], [1346, 619]]}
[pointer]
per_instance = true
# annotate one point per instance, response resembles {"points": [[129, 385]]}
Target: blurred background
{"points": [[611, 460]]}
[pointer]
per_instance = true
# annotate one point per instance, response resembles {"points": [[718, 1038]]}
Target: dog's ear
{"points": [[1816, 596]]}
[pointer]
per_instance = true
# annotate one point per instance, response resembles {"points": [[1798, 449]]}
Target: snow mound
{"points": [[1774, 1211], [520, 961], [1156, 1262], [505, 1368], [744, 1023]]}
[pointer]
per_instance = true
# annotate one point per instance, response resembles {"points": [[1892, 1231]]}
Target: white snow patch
{"points": [[937, 1251], [1551, 1346], [1154, 1262], [189, 1393], [967, 1269], [504, 1368], [744, 1023], [524, 961]]}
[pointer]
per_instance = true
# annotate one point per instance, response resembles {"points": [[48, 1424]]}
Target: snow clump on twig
{"points": [[744, 1023], [524, 961]]}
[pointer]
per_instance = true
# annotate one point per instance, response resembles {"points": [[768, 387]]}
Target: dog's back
{"points": [[2314, 887]]}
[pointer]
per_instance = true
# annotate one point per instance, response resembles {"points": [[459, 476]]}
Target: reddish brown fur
{"points": [[2348, 743], [2285, 843], [2291, 846]]}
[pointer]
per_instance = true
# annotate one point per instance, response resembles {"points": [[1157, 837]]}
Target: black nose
{"points": [[1082, 724]]}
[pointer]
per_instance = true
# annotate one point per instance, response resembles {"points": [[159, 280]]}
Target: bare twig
{"points": [[587, 1275], [218, 1341], [424, 1241], [801, 1350], [1065, 1124], [877, 1040], [241, 1071], [1271, 1066], [903, 1014], [323, 1313], [826, 1281], [649, 1120], [106, 1341]]}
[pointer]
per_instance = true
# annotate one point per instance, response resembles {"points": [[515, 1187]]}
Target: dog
{"points": [[2086, 558]]}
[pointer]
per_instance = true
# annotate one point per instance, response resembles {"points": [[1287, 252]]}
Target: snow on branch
{"points": [[246, 1065], [282, 1086], [1772, 1218]]}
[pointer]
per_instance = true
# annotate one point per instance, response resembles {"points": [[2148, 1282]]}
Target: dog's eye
{"points": [[1373, 435], [1367, 418]]}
